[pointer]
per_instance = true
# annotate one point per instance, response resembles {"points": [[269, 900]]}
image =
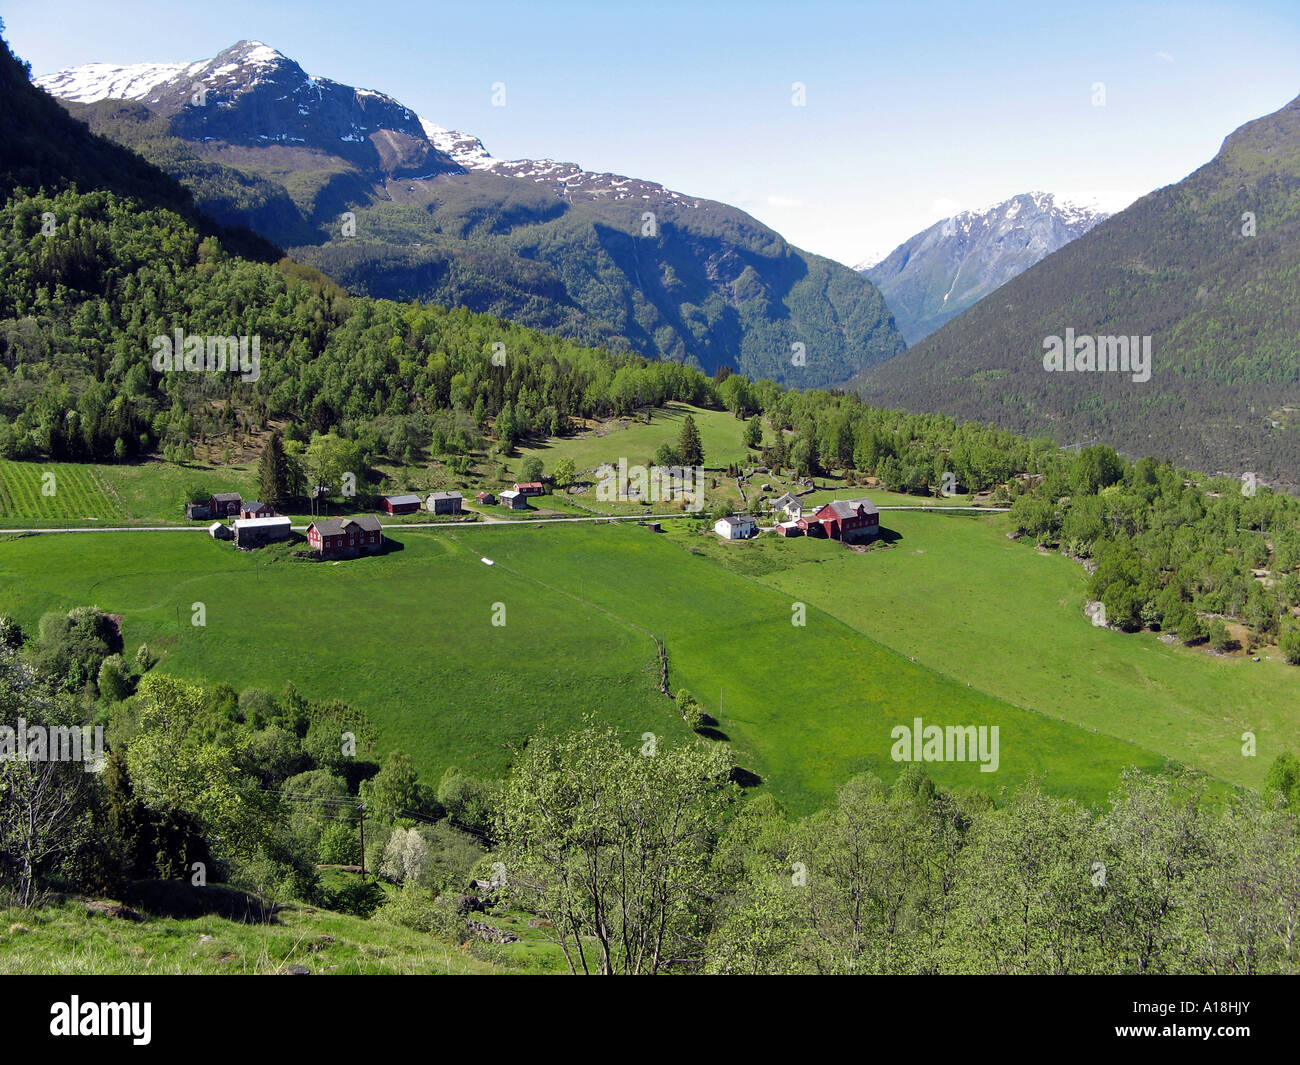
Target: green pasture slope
{"points": [[86, 495], [954, 593], [409, 636], [721, 433], [72, 494]]}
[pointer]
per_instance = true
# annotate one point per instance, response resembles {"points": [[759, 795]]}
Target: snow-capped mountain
{"points": [[433, 215], [941, 271], [252, 94]]}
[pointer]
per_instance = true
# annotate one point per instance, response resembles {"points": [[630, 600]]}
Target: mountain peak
{"points": [[939, 272]]}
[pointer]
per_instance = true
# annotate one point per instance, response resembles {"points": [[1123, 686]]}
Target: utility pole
{"points": [[361, 810]]}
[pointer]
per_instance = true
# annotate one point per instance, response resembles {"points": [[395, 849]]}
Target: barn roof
{"points": [[445, 495], [260, 523], [402, 499], [226, 497], [848, 508]]}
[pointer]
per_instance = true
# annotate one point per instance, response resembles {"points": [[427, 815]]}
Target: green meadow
{"points": [[410, 637], [721, 434], [955, 594]]}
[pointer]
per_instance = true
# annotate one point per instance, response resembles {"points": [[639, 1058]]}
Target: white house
{"points": [[736, 527], [790, 505]]}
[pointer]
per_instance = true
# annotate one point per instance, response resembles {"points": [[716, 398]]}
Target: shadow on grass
{"points": [[175, 898]]}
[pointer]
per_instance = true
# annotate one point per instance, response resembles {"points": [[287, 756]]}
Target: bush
{"points": [[1220, 639], [1289, 645], [413, 907]]}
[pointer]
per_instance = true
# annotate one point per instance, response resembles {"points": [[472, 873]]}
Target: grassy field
{"points": [[88, 495], [958, 596], [721, 434], [409, 636], [71, 938], [64, 492]]}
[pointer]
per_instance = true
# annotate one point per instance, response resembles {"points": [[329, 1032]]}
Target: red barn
{"points": [[849, 520], [224, 504], [401, 504]]}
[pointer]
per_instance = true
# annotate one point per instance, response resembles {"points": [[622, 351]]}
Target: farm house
{"points": [[404, 504], [444, 503], [514, 500], [529, 488], [486, 499], [789, 505], [254, 509], [346, 538], [736, 527]]}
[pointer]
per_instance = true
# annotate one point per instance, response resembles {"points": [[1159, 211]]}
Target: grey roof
{"points": [[367, 521], [249, 504], [446, 495], [848, 508], [329, 527], [403, 499], [226, 497], [737, 519], [261, 523]]}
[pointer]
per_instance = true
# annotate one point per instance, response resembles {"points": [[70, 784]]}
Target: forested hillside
{"points": [[602, 259], [1207, 268]]}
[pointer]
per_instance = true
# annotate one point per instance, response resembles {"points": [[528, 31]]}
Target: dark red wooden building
{"points": [[849, 520], [402, 504]]}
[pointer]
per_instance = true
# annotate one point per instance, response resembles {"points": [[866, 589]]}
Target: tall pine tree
{"points": [[273, 472], [689, 446]]}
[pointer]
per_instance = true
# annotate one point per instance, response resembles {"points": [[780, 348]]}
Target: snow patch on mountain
{"points": [[939, 272]]}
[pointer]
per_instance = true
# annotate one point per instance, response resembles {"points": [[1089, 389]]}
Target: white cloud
{"points": [[1165, 56]]}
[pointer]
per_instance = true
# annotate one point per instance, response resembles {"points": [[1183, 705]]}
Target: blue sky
{"points": [[913, 110]]}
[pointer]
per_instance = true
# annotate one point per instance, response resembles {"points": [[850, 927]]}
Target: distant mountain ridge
{"points": [[393, 205], [1205, 267], [932, 277]]}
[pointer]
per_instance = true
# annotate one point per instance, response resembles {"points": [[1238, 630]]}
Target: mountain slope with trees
{"points": [[1206, 267], [354, 184]]}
